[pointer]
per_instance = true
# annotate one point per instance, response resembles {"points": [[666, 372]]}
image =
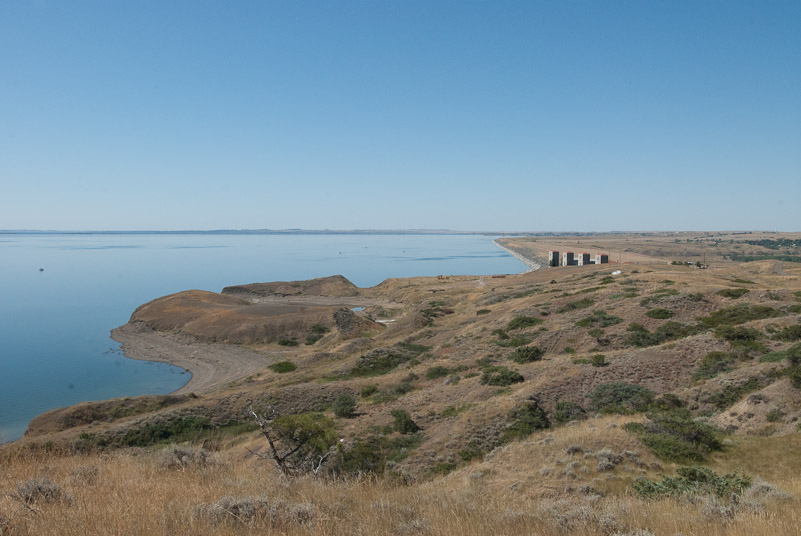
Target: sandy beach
{"points": [[212, 366]]}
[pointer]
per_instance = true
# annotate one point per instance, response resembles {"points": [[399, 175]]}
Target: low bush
{"points": [[660, 314], [573, 306], [282, 367], [368, 390], [344, 406], [789, 334], [732, 393], [742, 337], [437, 372], [598, 360], [521, 322], [514, 342], [693, 481], [599, 319], [40, 491], [527, 354], [288, 342], [733, 293], [567, 411], [483, 312], [713, 364], [738, 314], [639, 336], [620, 397], [403, 422], [524, 421], [500, 376], [383, 360], [673, 435]]}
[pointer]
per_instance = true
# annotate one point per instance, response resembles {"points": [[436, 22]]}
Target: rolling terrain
{"points": [[548, 402]]}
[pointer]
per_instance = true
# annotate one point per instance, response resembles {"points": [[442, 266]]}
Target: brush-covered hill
{"points": [[547, 402]]}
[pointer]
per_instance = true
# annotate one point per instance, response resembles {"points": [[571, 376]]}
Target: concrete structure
{"points": [[584, 259], [602, 258], [553, 258], [568, 259]]}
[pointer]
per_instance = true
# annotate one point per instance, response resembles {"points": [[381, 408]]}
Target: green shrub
{"points": [[344, 406], [599, 319], [567, 411], [283, 366], [573, 306], [738, 314], [598, 360], [639, 336], [403, 422], [288, 342], [527, 354], [789, 334], [383, 360], [368, 390], [693, 481], [620, 397], [733, 393], [483, 312], [525, 420], [500, 376], [453, 411], [521, 322], [514, 342], [733, 293], [774, 415], [371, 454], [437, 372], [660, 314], [674, 436], [713, 364], [742, 337]]}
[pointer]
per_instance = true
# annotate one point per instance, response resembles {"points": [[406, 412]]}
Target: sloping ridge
{"points": [[333, 286]]}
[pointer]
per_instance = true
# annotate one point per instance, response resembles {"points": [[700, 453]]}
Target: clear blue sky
{"points": [[513, 116]]}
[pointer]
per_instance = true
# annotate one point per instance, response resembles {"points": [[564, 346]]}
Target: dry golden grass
{"points": [[134, 493]]}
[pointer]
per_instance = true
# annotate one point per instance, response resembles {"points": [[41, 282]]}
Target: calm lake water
{"points": [[55, 348]]}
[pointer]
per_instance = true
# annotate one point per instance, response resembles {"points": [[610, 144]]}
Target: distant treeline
{"points": [[775, 244], [749, 258]]}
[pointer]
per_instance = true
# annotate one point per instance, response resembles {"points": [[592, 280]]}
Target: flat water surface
{"points": [[55, 348]]}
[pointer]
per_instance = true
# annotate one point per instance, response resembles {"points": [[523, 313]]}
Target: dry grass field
{"points": [[550, 402]]}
